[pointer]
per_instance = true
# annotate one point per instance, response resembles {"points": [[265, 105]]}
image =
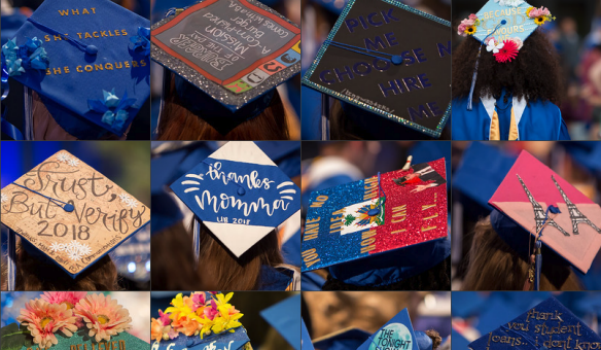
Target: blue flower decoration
{"points": [[19, 59], [114, 109], [142, 40]]}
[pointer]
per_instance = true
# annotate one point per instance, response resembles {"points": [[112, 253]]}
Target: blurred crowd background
{"points": [[319, 16], [262, 335], [137, 303], [475, 314], [289, 91], [125, 163], [479, 168], [576, 35], [325, 313]]}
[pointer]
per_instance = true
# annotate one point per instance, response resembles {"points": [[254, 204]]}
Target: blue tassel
{"points": [[539, 264]]}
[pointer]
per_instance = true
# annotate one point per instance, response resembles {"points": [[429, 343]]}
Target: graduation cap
{"points": [[545, 326], [346, 339], [306, 343], [89, 62], [370, 61], [227, 56], [239, 194], [199, 321], [396, 334], [78, 321], [285, 318], [361, 219], [69, 213], [502, 26], [534, 199]]}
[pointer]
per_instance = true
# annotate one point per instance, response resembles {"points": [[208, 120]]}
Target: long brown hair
{"points": [[534, 75], [494, 265], [178, 123], [221, 270], [35, 275]]}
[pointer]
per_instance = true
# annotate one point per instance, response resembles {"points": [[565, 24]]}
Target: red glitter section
{"points": [[413, 223]]}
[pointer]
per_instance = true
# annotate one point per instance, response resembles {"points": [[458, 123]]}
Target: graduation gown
{"points": [[517, 119]]}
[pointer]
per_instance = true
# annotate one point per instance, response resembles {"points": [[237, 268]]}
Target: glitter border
{"points": [[306, 78]]}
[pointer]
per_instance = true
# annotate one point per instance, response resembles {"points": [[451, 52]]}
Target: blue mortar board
{"points": [[10, 24], [276, 278], [396, 334], [226, 340], [285, 318], [243, 211], [348, 339], [63, 46], [481, 171], [368, 63], [587, 154], [234, 52], [543, 327], [467, 304], [513, 12], [74, 224], [306, 343]]}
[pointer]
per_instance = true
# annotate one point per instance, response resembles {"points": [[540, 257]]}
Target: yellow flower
{"points": [[540, 20], [206, 327], [226, 320], [528, 10], [470, 30], [180, 309], [222, 300]]}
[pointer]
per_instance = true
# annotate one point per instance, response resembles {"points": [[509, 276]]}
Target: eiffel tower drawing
{"points": [[539, 212], [575, 214]]}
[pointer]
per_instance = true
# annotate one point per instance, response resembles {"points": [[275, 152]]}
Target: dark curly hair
{"points": [[535, 74]]}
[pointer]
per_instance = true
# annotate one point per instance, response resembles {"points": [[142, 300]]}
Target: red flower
{"points": [[508, 52]]}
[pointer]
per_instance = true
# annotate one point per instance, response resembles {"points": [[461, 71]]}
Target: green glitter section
{"points": [[81, 341]]}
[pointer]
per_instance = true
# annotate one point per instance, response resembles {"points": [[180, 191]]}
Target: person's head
{"points": [[407, 179], [568, 25], [179, 122], [35, 275], [494, 265], [221, 270], [535, 73]]}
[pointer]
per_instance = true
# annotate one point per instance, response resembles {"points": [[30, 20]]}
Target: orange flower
{"points": [[103, 316], [44, 319]]}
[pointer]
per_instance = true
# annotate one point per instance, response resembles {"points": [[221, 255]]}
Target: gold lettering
{"points": [[108, 66], [88, 70], [114, 344], [57, 37], [66, 69], [117, 33], [76, 11], [95, 35], [93, 10], [110, 34], [398, 231], [103, 33], [399, 214], [48, 72], [55, 70], [87, 36], [143, 63], [428, 206], [78, 68], [310, 257], [124, 32], [73, 347], [426, 229], [98, 67], [118, 65], [319, 201], [47, 37], [134, 64], [79, 34], [430, 217], [64, 12], [85, 12], [121, 344]]}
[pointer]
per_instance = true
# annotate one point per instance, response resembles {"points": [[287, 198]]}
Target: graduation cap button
{"points": [[241, 191], [374, 212], [91, 50], [69, 208]]}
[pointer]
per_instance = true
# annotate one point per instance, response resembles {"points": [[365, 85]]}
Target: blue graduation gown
{"points": [[492, 120]]}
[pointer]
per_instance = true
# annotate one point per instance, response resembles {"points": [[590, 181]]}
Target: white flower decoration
{"points": [[514, 3], [3, 198], [73, 162], [494, 47], [75, 250], [63, 157], [129, 202], [57, 247]]}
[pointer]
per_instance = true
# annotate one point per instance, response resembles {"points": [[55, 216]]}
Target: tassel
{"points": [[539, 264]]}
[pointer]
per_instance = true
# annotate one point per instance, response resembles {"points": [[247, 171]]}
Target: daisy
{"points": [[3, 198], [73, 162], [63, 157], [43, 320], [57, 247], [508, 52], [103, 316], [70, 299]]}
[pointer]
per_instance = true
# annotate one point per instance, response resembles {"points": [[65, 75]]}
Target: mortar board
{"points": [[370, 62], [357, 229], [285, 318], [227, 57], [398, 332], [201, 320], [89, 62], [534, 199], [75, 320], [540, 327], [69, 213], [239, 194]]}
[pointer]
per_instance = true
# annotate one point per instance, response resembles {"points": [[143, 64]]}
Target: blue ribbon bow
{"points": [[142, 40], [19, 59], [114, 109]]}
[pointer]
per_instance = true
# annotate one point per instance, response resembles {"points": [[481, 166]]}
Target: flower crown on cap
{"points": [[507, 50], [68, 312], [194, 315]]}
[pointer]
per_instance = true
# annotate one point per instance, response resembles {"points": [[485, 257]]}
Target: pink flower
{"points": [[211, 311], [539, 12], [44, 319], [172, 334], [473, 17], [518, 42], [508, 52], [103, 316], [164, 318], [199, 300], [67, 298]]}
